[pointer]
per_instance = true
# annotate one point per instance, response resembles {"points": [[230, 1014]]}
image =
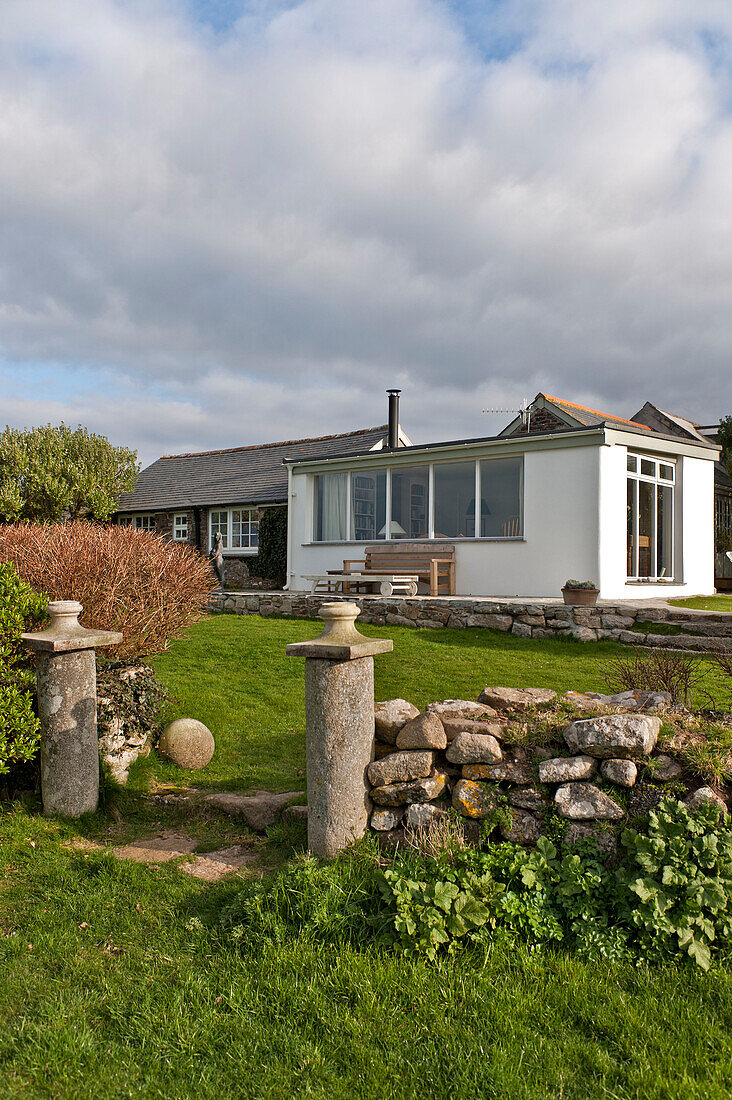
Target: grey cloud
{"points": [[264, 228]]}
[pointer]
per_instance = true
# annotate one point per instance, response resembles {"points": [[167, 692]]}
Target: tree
{"points": [[54, 473], [725, 438]]}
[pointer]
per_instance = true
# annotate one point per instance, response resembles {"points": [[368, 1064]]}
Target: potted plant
{"points": [[580, 593]]}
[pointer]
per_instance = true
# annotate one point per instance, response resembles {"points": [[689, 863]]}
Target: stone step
{"points": [[710, 630], [695, 643]]}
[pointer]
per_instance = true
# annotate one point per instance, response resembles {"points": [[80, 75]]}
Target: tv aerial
{"points": [[524, 412]]}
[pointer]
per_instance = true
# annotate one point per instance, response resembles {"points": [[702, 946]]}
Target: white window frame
{"points": [[141, 521], [180, 527], [253, 514], [430, 516], [636, 473]]}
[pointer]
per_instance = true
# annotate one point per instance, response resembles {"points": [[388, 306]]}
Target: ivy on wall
{"points": [[271, 561]]}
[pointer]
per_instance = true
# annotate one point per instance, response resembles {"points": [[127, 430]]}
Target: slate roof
{"points": [[238, 475], [554, 414], [593, 418]]}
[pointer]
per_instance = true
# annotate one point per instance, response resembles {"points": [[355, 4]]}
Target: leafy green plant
{"points": [[271, 560], [574, 584], [670, 895], [20, 609], [677, 880], [447, 904]]}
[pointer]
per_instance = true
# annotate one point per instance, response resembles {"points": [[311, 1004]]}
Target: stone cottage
{"points": [[191, 497]]}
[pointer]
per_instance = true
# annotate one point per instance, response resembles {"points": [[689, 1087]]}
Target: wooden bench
{"points": [[434, 566]]}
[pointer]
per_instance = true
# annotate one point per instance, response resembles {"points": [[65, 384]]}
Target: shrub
{"points": [[20, 609], [271, 560], [656, 670], [133, 581]]}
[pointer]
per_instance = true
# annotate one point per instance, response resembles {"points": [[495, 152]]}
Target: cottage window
{"points": [[650, 518], [139, 522], [238, 527], [410, 502], [180, 527], [331, 507], [454, 485]]}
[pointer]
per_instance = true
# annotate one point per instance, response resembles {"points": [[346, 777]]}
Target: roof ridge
{"points": [[586, 408], [282, 443]]}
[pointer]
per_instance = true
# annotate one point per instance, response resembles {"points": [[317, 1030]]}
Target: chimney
{"points": [[393, 440]]}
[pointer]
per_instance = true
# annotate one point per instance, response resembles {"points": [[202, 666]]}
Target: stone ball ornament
{"points": [[188, 743]]}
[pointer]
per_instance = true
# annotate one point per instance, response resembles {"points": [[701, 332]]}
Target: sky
{"points": [[234, 221]]}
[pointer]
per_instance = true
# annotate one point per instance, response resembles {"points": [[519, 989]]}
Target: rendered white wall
{"points": [[698, 525]]}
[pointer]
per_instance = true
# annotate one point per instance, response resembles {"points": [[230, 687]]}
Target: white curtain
{"points": [[335, 502]]}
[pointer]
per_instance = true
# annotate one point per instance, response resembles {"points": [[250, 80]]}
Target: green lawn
{"points": [[231, 673], [706, 603], [118, 983]]}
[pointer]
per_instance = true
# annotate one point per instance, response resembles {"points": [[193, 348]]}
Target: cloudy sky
{"points": [[227, 221]]}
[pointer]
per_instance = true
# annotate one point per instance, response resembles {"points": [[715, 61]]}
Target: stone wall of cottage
{"points": [[236, 565]]}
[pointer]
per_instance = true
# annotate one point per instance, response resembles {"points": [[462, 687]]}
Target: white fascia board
{"points": [[449, 452], [662, 445]]}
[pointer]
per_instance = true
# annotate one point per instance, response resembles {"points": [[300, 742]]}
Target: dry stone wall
{"points": [[522, 618], [517, 759]]}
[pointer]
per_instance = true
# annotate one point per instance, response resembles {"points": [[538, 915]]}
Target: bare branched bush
{"points": [[669, 670], [133, 581]]}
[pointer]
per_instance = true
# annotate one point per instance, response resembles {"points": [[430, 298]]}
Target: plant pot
{"points": [[581, 597]]}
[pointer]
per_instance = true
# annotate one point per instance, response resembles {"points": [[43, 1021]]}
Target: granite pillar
{"points": [[339, 722], [66, 679]]}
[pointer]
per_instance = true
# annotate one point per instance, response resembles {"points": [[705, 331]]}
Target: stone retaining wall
{"points": [[526, 619], [516, 759]]}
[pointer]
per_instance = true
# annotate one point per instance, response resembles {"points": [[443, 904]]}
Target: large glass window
{"points": [[650, 518], [410, 491], [368, 505], [454, 484], [331, 502], [501, 491], [419, 502]]}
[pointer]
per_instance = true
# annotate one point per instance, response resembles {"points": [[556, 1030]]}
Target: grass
{"points": [[706, 603], [231, 673], [118, 983]]}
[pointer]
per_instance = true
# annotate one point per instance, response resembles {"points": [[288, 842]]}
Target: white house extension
{"points": [[562, 492]]}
